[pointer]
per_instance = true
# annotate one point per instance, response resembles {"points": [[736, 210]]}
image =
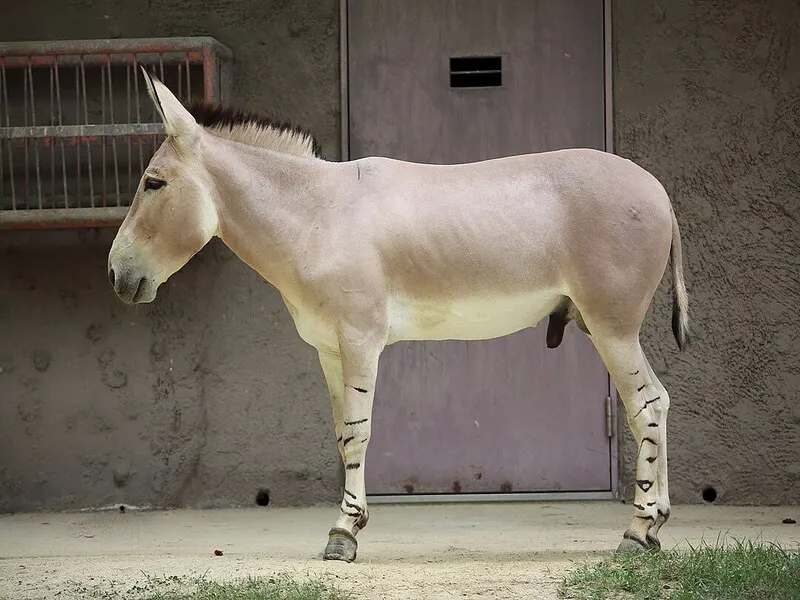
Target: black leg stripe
{"points": [[646, 404], [351, 494], [351, 505], [351, 466], [356, 422], [348, 440]]}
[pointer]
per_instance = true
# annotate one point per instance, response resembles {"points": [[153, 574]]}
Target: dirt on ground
{"points": [[503, 551]]}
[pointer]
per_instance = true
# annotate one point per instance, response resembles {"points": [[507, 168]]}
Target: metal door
{"points": [[452, 81]]}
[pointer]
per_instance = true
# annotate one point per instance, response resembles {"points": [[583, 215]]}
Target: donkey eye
{"points": [[153, 184]]}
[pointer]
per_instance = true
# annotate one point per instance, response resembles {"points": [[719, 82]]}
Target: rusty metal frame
{"points": [[201, 51]]}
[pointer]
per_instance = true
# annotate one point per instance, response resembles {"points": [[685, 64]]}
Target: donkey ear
{"points": [[178, 122]]}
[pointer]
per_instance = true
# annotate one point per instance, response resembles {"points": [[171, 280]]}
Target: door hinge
{"points": [[609, 419]]}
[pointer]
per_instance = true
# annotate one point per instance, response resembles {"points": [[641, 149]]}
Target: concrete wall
{"points": [[707, 98], [208, 395]]}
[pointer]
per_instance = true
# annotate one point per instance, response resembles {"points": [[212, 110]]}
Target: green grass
{"points": [[738, 571], [276, 587]]}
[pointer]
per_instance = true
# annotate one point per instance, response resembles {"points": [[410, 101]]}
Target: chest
{"points": [[313, 328]]}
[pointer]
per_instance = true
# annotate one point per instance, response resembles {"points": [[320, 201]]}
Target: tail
{"points": [[680, 299]]}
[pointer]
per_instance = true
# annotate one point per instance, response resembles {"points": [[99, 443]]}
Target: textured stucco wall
{"points": [[707, 96], [208, 394]]}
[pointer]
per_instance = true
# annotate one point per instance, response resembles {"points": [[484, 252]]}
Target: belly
{"points": [[475, 318]]}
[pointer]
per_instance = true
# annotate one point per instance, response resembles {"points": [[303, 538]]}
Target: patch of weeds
{"points": [[276, 587], [738, 571]]}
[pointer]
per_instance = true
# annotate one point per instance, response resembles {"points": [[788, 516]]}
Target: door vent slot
{"points": [[476, 71]]}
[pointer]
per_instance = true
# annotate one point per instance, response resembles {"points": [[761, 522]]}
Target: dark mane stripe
{"points": [[217, 115]]}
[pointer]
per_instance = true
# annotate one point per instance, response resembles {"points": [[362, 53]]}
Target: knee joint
{"points": [[354, 438]]}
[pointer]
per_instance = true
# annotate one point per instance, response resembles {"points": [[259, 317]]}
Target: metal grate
{"points": [[77, 127]]}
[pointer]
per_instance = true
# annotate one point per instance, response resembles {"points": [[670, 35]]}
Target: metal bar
{"points": [[56, 48], [128, 103], [36, 158], [210, 76], [155, 116], [478, 72], [86, 122], [2, 145], [63, 153], [103, 120], [113, 138], [489, 497], [49, 218], [25, 120], [87, 131], [188, 80], [52, 71], [180, 81], [77, 120], [98, 60], [10, 153], [138, 116]]}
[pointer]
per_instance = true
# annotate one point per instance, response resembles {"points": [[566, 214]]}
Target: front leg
{"points": [[359, 373], [332, 369]]}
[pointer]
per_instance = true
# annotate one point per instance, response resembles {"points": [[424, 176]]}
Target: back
{"points": [[440, 225]]}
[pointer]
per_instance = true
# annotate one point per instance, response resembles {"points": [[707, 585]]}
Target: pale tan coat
{"points": [[369, 252]]}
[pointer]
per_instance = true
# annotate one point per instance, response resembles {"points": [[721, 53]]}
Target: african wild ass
{"points": [[373, 251]]}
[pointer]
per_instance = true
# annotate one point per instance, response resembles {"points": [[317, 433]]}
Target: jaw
{"points": [[144, 297], [134, 292]]}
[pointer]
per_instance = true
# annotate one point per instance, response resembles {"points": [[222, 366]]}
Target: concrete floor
{"points": [[432, 551]]}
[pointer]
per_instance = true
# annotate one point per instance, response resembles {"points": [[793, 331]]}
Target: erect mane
{"points": [[254, 129]]}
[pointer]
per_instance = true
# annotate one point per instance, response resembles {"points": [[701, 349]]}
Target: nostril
{"points": [[111, 278]]}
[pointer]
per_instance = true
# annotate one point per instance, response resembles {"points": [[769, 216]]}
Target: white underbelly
{"points": [[476, 318]]}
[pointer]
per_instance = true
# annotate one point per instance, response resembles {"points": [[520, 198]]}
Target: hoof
{"points": [[341, 545], [632, 543], [652, 542]]}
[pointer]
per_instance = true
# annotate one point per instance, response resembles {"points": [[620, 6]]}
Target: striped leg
{"points": [[332, 369], [644, 404], [359, 369], [663, 504]]}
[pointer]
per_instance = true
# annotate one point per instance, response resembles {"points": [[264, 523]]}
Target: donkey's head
{"points": [[173, 213]]}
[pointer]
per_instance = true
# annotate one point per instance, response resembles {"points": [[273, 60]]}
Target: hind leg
{"points": [[644, 406], [663, 503]]}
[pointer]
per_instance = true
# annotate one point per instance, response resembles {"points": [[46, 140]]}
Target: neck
{"points": [[266, 203]]}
